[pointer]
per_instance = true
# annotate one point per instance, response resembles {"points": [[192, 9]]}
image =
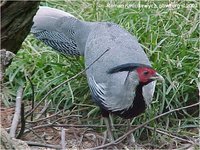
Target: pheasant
{"points": [[122, 81]]}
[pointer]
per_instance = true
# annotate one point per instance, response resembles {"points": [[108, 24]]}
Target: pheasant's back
{"points": [[122, 48]]}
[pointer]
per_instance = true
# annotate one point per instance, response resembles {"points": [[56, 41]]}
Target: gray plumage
{"points": [[68, 35], [60, 30]]}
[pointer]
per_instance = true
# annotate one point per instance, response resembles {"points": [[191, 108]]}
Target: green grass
{"points": [[168, 36]]}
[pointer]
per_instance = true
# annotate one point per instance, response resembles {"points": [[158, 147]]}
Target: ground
{"points": [[41, 134]]}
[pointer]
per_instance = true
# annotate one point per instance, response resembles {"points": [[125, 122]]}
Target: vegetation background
{"points": [[168, 32]]}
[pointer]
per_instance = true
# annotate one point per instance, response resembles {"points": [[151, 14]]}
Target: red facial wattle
{"points": [[145, 74]]}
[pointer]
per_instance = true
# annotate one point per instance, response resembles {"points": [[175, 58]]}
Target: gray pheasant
{"points": [[121, 78]]}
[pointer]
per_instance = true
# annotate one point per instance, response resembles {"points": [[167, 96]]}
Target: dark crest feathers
{"points": [[126, 67]]}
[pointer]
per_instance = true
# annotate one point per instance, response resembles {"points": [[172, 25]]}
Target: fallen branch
{"points": [[33, 96], [65, 117], [58, 86], [72, 125], [63, 144], [16, 117], [142, 125], [170, 134], [23, 122], [30, 143], [45, 118], [8, 143]]}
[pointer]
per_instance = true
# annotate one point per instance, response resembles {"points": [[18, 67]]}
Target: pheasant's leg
{"points": [[111, 122], [130, 137], [109, 134], [109, 128]]}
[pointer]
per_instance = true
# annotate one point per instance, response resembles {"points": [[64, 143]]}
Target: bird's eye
{"points": [[146, 73]]}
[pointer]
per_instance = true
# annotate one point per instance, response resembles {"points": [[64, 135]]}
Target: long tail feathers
{"points": [[56, 29]]}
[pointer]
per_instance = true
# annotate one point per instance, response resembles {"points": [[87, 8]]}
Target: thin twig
{"points": [[186, 146], [30, 143], [32, 97], [64, 117], [43, 110], [142, 125], [169, 134], [63, 144], [38, 136], [16, 117], [58, 86], [72, 125], [45, 118], [81, 138]]}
